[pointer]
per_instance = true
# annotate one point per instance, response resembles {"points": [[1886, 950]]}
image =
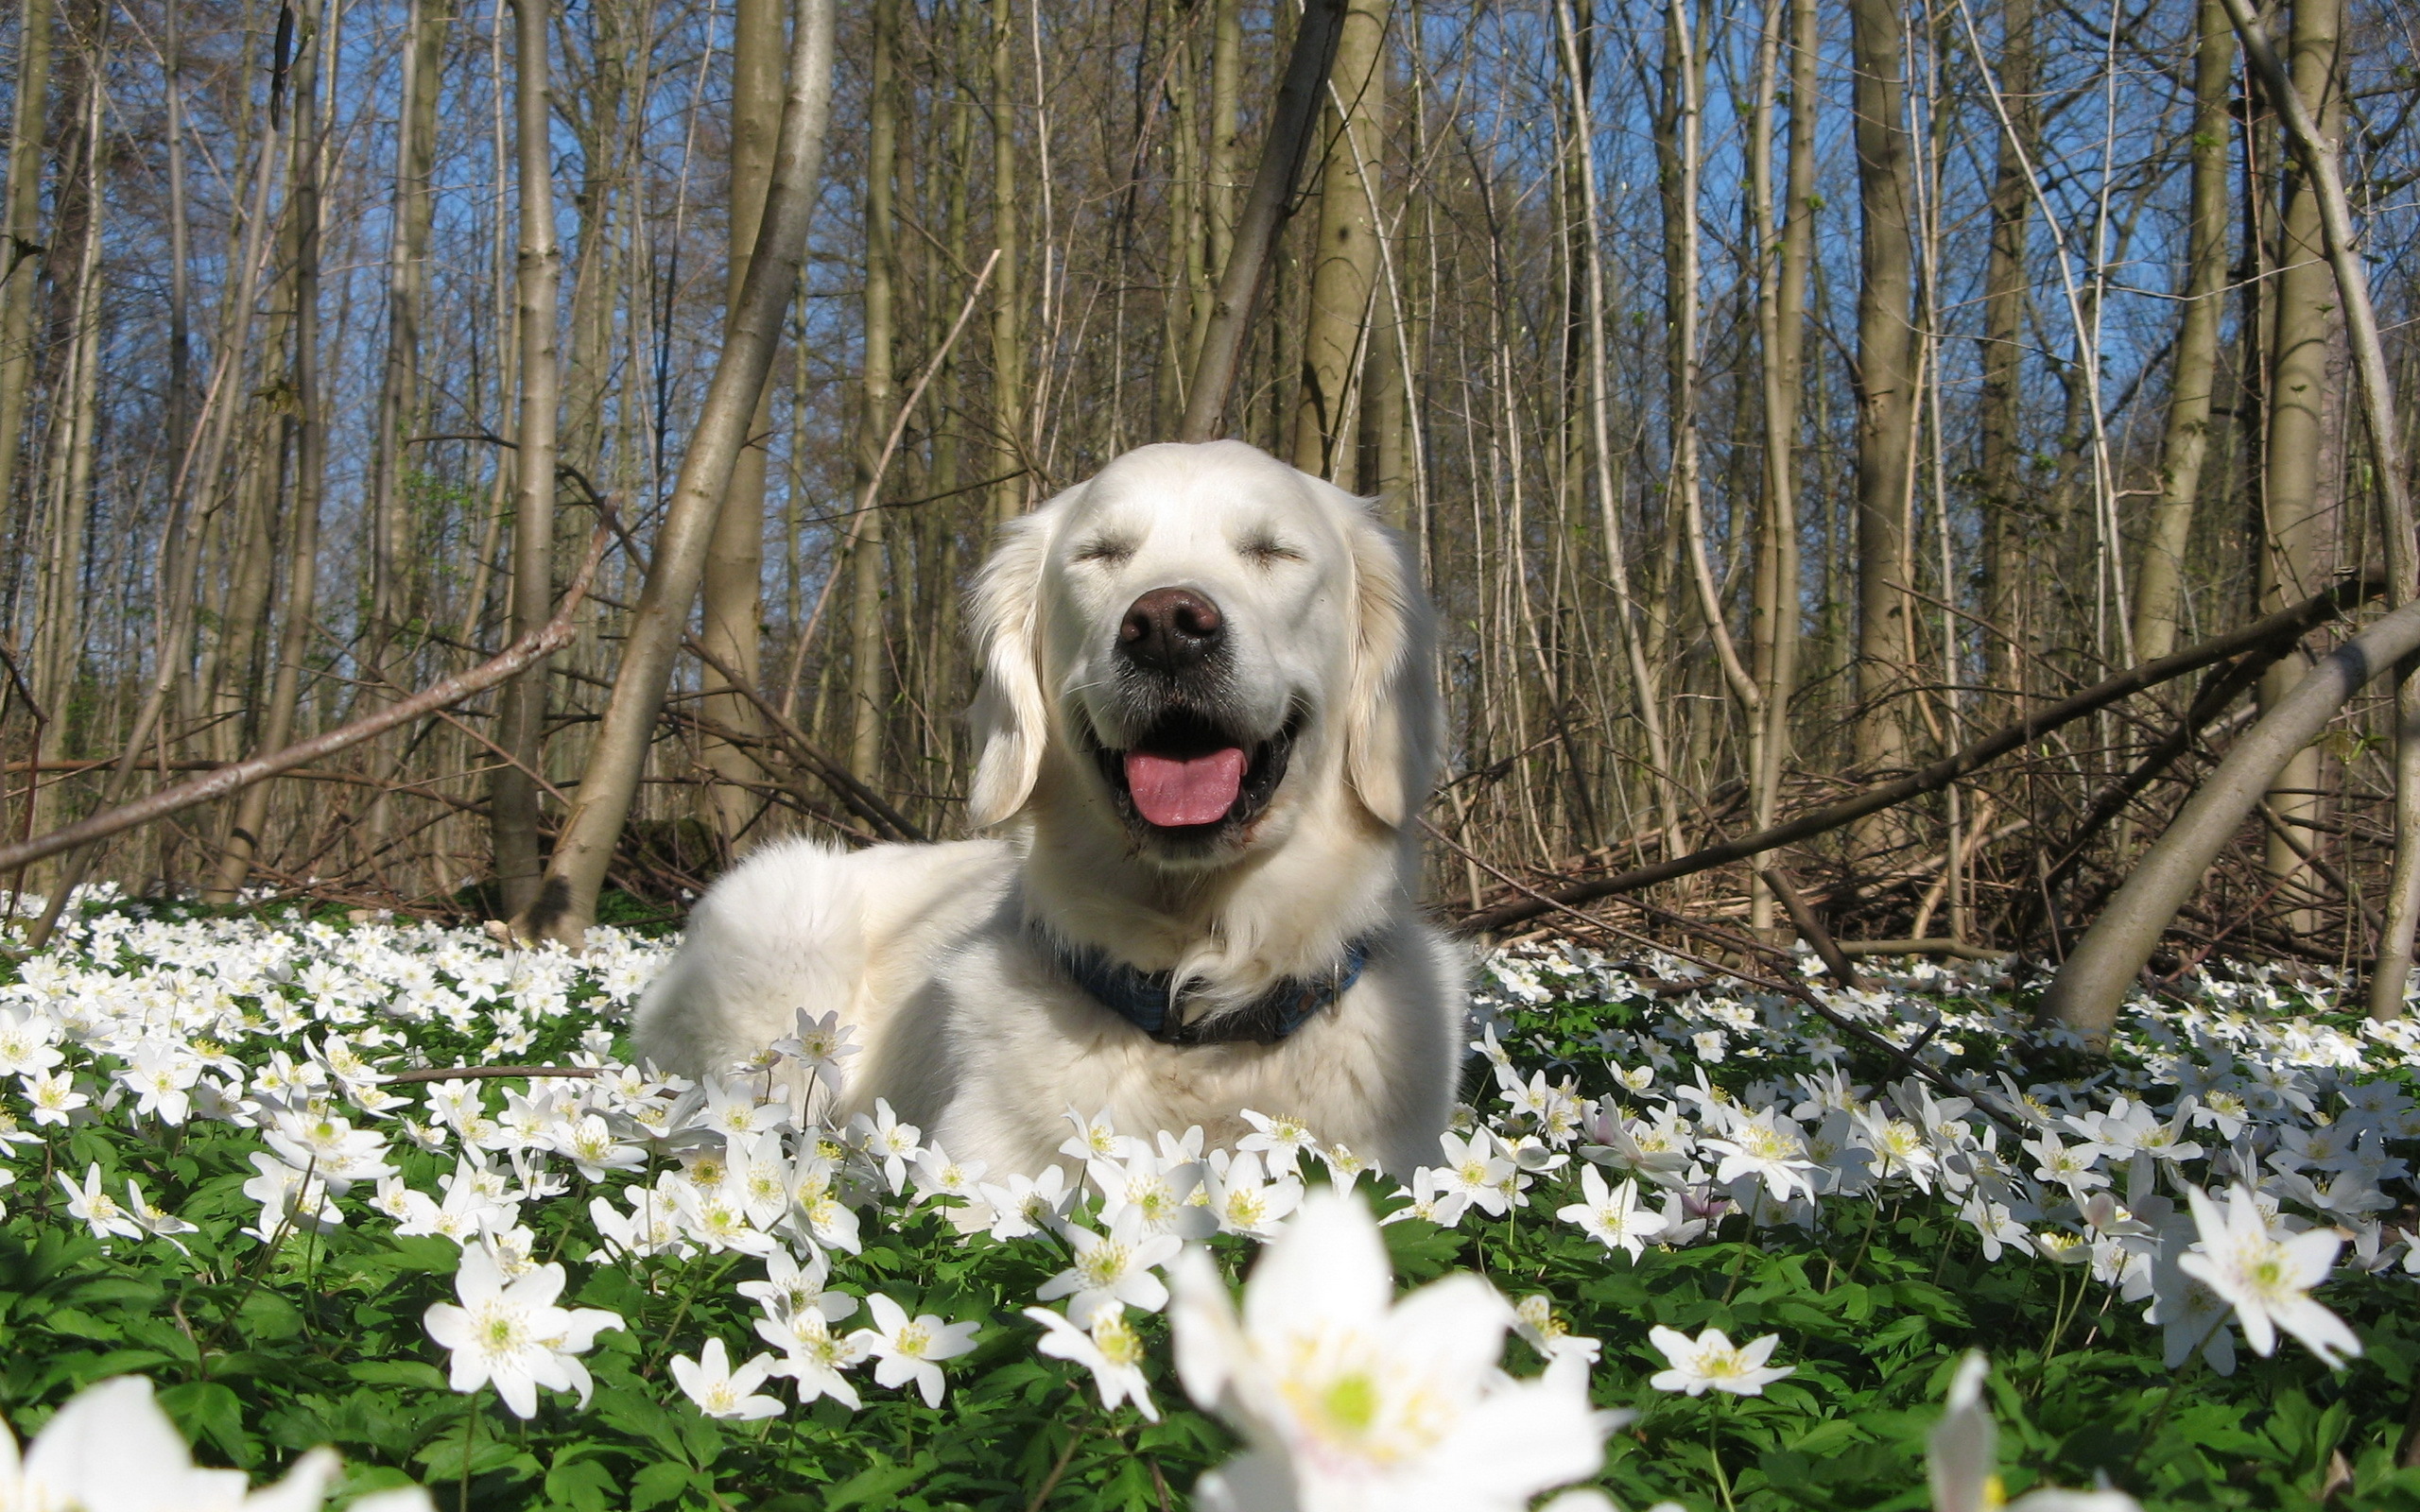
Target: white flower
{"points": [[721, 1392], [908, 1348], [1161, 1191], [1027, 1204], [818, 1046], [95, 1209], [54, 1096], [1282, 1140], [159, 1074], [592, 1149], [27, 1040], [112, 1448], [1769, 1147], [1962, 1458], [515, 1335], [156, 1221], [1613, 1217], [791, 1290], [1352, 1400], [1475, 1173], [1096, 1139], [2267, 1276], [1534, 1319], [1245, 1202], [2190, 1314], [1430, 1198], [1710, 1362], [813, 1355], [887, 1140], [288, 1199], [1112, 1350], [939, 1176], [1112, 1271]]}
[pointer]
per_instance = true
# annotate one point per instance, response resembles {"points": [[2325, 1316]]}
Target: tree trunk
{"points": [[1646, 692], [1344, 256], [2160, 577], [21, 254], [869, 701], [57, 651], [513, 791], [1781, 318], [567, 904], [735, 554], [1223, 167], [308, 427], [1886, 398], [1299, 97], [2009, 530], [1008, 495], [407, 290], [2303, 492]]}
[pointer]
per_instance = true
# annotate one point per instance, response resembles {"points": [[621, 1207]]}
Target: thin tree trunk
{"points": [[399, 407], [406, 289], [567, 904], [2160, 575], [2302, 492], [57, 651], [1781, 317], [1344, 256], [2009, 529], [21, 257], [180, 254], [1263, 215], [308, 427], [1008, 495], [513, 791], [868, 700], [1644, 682], [1224, 165], [1886, 397], [735, 554]]}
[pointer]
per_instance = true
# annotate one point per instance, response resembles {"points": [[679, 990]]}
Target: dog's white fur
{"points": [[934, 954]]}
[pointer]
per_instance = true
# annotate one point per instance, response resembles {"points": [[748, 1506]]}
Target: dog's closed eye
{"points": [[1111, 550], [1264, 549]]}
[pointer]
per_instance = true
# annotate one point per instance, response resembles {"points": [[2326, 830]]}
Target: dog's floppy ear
{"points": [[1010, 722], [1394, 724]]}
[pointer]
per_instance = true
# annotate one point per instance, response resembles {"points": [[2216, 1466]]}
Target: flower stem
{"points": [[470, 1439]]}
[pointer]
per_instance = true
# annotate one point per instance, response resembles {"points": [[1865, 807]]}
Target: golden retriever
{"points": [[1206, 722]]}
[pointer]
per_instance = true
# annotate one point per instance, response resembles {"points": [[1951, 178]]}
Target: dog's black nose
{"points": [[1173, 629]]}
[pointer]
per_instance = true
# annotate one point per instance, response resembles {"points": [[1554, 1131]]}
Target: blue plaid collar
{"points": [[1144, 999]]}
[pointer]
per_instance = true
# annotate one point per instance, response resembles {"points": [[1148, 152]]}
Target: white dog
{"points": [[1206, 723]]}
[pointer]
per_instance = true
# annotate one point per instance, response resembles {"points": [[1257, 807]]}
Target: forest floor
{"points": [[221, 1173]]}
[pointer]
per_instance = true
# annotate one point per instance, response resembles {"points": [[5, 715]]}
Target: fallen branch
{"points": [[2287, 626], [2091, 987], [1809, 927], [235, 777], [1805, 996], [1957, 949]]}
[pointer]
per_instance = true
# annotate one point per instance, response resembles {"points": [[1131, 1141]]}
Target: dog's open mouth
{"points": [[1188, 777]]}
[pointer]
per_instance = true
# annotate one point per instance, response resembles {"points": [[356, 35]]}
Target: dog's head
{"points": [[1199, 643]]}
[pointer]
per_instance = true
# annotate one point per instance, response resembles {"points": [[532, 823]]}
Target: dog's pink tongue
{"points": [[1171, 791]]}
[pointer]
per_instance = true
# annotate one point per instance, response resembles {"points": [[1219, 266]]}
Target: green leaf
{"points": [[876, 1481], [205, 1408], [398, 1373], [584, 1485], [659, 1483]]}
